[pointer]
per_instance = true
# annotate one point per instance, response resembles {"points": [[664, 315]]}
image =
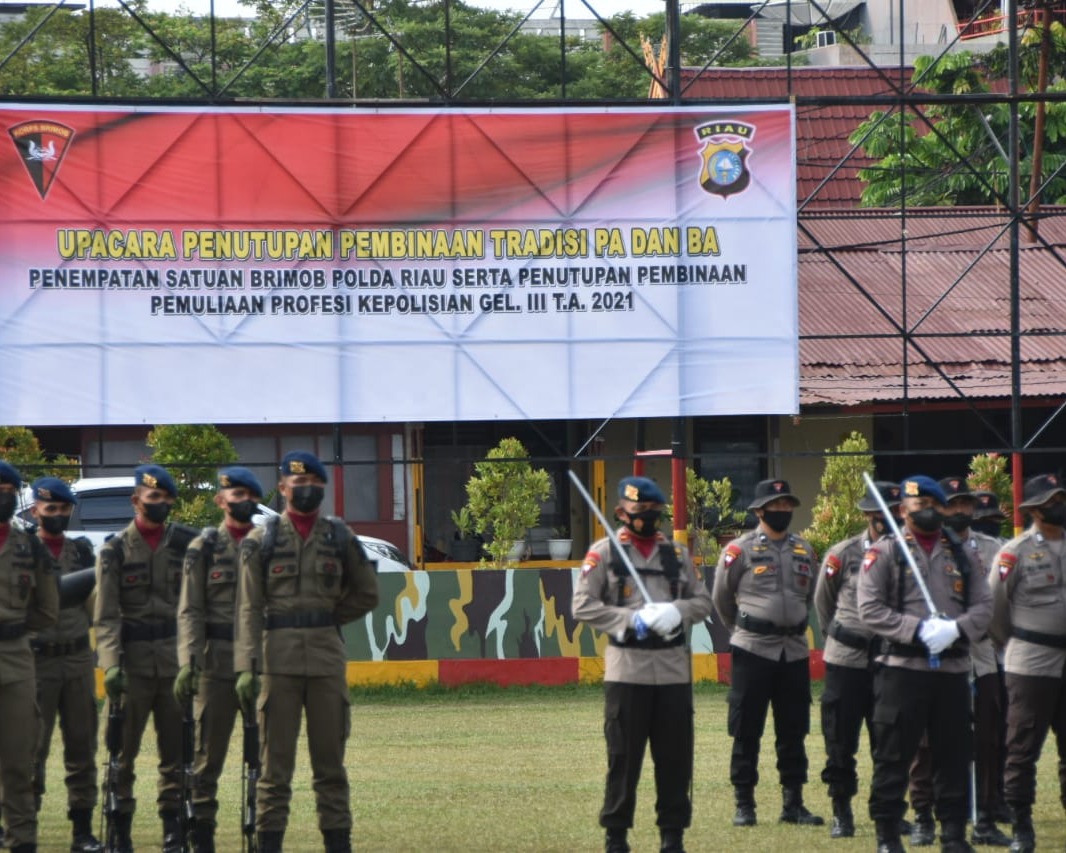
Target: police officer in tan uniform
{"points": [[648, 668], [138, 577], [206, 614], [763, 589], [922, 683], [66, 680], [847, 697], [1030, 619], [29, 601], [302, 576]]}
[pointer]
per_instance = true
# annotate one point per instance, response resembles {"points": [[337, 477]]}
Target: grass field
{"points": [[520, 769]]}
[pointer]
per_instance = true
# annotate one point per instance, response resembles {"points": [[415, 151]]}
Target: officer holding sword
{"points": [[648, 671]]}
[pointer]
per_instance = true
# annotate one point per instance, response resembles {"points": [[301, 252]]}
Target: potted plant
{"points": [[505, 494], [560, 544], [466, 546]]}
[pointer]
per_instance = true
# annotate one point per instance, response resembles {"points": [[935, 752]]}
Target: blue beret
{"points": [[155, 477], [235, 476], [52, 489], [921, 486], [10, 474], [641, 490], [302, 462]]}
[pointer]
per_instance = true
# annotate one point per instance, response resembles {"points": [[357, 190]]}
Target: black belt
{"points": [[300, 619], [1056, 641], [652, 641], [765, 626], [56, 650], [146, 632], [12, 630], [219, 631], [918, 650], [847, 637]]}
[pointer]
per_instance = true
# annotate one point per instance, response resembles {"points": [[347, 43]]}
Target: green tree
{"points": [[835, 515], [988, 472], [21, 448], [192, 453], [710, 515]]}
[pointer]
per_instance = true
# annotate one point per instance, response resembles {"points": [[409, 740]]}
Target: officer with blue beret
{"points": [[138, 578], [648, 670], [923, 678], [206, 614], [29, 601]]}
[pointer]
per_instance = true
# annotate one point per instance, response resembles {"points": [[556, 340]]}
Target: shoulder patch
{"points": [[592, 559], [731, 553], [832, 565], [1006, 565], [869, 560]]}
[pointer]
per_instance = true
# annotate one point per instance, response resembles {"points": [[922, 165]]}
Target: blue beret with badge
{"points": [[303, 462], [640, 490], [236, 477], [52, 490], [155, 477], [919, 486], [10, 474]]}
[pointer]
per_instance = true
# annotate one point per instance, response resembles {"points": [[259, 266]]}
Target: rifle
{"points": [[188, 777], [116, 717], [249, 778]]}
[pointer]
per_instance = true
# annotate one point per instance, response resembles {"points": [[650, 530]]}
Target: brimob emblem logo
{"points": [[42, 144], [724, 156]]}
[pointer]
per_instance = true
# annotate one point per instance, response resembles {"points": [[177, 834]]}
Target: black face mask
{"points": [[8, 502], [957, 521], [1054, 514], [879, 525], [55, 524], [927, 520], [989, 528], [644, 523], [777, 520], [242, 511], [307, 498], [156, 513]]}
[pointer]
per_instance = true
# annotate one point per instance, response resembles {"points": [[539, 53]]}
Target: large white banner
{"points": [[179, 266]]}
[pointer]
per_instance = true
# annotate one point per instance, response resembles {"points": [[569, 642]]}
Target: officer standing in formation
{"points": [[762, 591], [648, 668], [206, 613], [847, 697], [923, 681], [66, 679], [138, 577], [988, 518], [29, 601], [1030, 619], [302, 576]]}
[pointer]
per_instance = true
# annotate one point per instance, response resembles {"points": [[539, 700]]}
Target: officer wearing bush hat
{"points": [[763, 589], [847, 700], [29, 601], [648, 670], [1030, 620], [65, 669], [988, 517], [138, 576], [206, 615], [302, 576], [923, 679]]}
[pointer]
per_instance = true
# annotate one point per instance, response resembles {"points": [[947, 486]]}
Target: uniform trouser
{"points": [[757, 685], [155, 697], [634, 716], [325, 702], [67, 688], [19, 727], [847, 703], [216, 708], [988, 741], [921, 778], [907, 703], [1034, 704]]}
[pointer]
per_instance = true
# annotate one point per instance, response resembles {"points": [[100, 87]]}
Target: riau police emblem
{"points": [[42, 144], [724, 156]]}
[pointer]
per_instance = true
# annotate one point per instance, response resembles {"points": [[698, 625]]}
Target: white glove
{"points": [[938, 634], [665, 619]]}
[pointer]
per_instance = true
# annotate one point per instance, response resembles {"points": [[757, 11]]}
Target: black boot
{"points": [[270, 841], [1024, 835], [28, 847], [953, 838], [203, 837], [987, 834], [123, 827], [82, 839], [924, 831], [616, 841], [337, 840], [888, 837], [843, 825], [172, 840], [793, 810], [671, 840], [745, 799]]}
